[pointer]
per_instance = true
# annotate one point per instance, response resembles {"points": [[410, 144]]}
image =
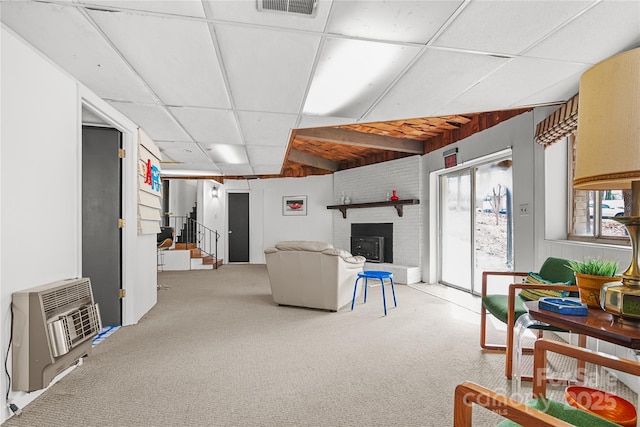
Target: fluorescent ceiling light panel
{"points": [[227, 153], [189, 172], [351, 69]]}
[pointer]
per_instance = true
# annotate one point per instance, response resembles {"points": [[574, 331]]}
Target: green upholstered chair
{"points": [[538, 411], [509, 307]]}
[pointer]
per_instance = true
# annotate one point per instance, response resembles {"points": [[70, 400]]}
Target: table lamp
{"points": [[608, 158]]}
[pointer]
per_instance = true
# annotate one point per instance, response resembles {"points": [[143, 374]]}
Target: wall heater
{"points": [[53, 327]]}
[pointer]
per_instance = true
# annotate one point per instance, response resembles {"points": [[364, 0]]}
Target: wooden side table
{"points": [[597, 324]]}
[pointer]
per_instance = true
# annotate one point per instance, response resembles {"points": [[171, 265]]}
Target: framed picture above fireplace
{"points": [[294, 205]]}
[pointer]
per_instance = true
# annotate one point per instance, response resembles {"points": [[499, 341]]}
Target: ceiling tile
{"points": [[155, 121], [518, 79], [561, 90], [266, 128], [606, 29], [208, 125], [273, 70], [352, 74], [266, 155], [403, 21], [506, 27], [267, 169], [176, 57], [434, 80], [246, 11], [311, 121], [184, 152], [75, 45], [229, 169], [192, 8]]}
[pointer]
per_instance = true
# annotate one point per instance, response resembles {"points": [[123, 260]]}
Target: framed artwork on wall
{"points": [[294, 205]]}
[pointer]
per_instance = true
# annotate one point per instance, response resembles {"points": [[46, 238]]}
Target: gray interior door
{"points": [[101, 236], [238, 214]]}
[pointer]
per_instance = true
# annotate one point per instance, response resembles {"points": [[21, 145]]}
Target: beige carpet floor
{"points": [[216, 351]]}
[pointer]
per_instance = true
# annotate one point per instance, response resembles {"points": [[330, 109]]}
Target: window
{"points": [[593, 212]]}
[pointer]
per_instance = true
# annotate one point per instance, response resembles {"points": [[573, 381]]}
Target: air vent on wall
{"points": [[304, 7], [52, 328]]}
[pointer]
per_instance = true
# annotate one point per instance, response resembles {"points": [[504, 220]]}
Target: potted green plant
{"points": [[591, 275]]}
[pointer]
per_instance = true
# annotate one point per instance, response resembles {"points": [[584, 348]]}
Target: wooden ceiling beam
{"points": [[312, 160], [361, 139]]}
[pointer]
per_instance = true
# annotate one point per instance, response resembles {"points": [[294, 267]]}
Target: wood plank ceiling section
{"points": [[320, 151]]}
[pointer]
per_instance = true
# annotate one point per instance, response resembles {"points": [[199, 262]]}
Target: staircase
{"points": [[199, 259], [196, 246]]}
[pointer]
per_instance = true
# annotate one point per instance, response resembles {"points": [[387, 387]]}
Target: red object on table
{"points": [[395, 196], [606, 405]]}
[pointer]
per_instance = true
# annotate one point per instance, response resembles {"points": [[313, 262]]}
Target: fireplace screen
{"points": [[370, 247]]}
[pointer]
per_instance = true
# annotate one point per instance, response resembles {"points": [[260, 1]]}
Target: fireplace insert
{"points": [[370, 247]]}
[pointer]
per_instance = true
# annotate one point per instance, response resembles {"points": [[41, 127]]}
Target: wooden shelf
{"points": [[398, 204]]}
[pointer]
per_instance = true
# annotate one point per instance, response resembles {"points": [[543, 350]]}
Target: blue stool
{"points": [[375, 274]]}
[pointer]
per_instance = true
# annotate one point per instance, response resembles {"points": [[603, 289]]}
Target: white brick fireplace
{"points": [[371, 184]]}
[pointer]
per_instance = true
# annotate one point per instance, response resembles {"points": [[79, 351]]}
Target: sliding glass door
{"points": [[476, 223], [455, 229]]}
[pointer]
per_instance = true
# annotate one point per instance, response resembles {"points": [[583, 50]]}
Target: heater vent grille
{"points": [[52, 327], [59, 299], [70, 329], [304, 7]]}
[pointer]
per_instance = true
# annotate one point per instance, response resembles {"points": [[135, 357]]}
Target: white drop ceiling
{"points": [[219, 85]]}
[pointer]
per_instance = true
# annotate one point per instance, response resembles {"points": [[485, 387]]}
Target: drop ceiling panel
{"points": [[562, 90], [184, 152], [246, 11], [507, 26], [74, 44], [266, 128], [599, 33], [407, 21], [176, 57], [192, 8], [352, 74], [229, 169], [207, 125], [311, 121], [155, 121], [272, 72], [436, 79], [267, 169], [518, 79], [266, 155]]}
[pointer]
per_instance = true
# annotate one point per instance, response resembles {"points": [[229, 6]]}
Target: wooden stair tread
{"points": [[185, 246]]}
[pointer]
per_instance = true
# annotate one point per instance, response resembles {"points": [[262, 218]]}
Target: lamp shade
{"points": [[608, 146]]}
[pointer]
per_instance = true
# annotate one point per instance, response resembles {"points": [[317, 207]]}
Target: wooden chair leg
{"points": [[483, 334]]}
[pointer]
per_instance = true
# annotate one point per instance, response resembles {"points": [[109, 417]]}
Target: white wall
{"points": [[371, 184], [40, 178], [515, 134], [267, 225], [182, 196]]}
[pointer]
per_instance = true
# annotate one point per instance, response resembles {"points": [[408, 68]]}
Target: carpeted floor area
{"points": [[216, 351]]}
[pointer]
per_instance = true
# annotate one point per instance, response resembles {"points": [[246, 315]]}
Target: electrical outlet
{"points": [[524, 210]]}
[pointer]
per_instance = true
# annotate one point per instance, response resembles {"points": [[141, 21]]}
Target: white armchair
{"points": [[312, 274]]}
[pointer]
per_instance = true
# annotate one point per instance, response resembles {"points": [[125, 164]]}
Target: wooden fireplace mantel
{"points": [[398, 204]]}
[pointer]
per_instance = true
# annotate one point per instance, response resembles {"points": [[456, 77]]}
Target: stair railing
{"points": [[189, 231]]}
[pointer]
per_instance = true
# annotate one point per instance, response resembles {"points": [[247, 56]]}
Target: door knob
{"points": [[230, 231]]}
